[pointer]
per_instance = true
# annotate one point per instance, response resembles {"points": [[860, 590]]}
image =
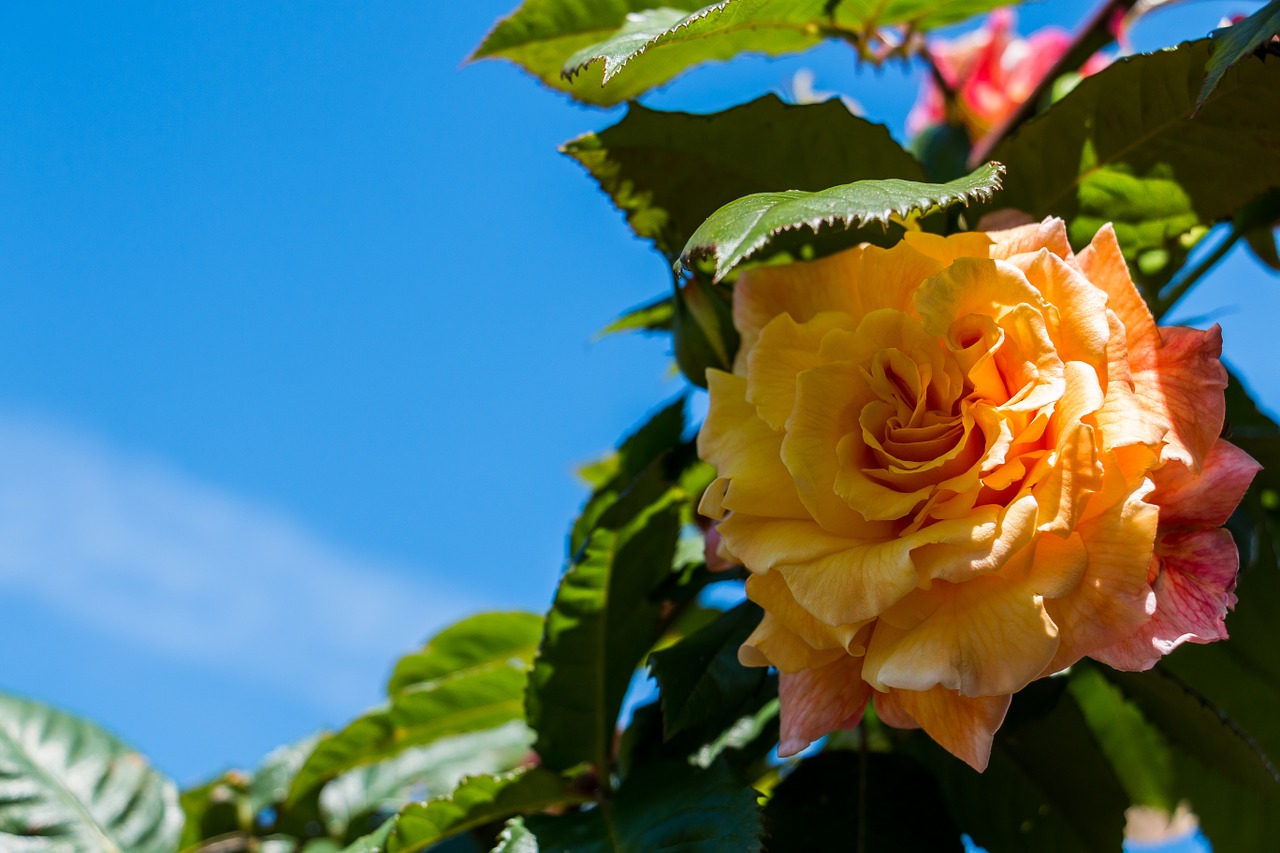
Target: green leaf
{"points": [[738, 229], [515, 838], [654, 316], [477, 801], [477, 642], [705, 336], [1137, 752], [1234, 43], [542, 34], [817, 807], [601, 624], [1127, 147], [1048, 788], [66, 782], [469, 678], [654, 46], [661, 808], [669, 171], [701, 681], [415, 774], [1258, 221]]}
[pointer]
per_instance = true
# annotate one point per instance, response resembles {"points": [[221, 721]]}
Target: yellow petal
{"points": [[963, 726], [783, 350], [969, 244], [745, 453], [789, 637], [802, 290]]}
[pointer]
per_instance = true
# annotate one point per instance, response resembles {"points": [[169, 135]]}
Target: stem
{"points": [[862, 789], [1179, 288], [1094, 37]]}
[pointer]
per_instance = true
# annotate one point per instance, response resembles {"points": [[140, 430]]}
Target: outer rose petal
{"points": [[1050, 234], [1207, 500], [815, 702], [1184, 381], [1194, 590], [1103, 264], [963, 726]]}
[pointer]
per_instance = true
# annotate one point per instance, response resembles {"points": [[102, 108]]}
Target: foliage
{"points": [[517, 733]]}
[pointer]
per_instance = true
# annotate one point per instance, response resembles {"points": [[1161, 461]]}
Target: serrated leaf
{"points": [[515, 838], [669, 171], [654, 46], [422, 772], [1136, 750], [600, 625], [817, 807], [740, 228], [469, 678], [476, 801], [700, 678], [661, 808], [1127, 147], [1234, 43], [69, 784]]}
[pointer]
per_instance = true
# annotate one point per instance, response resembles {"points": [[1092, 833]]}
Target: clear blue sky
{"points": [[295, 358]]}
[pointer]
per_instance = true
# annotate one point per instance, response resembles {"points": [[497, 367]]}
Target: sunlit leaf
{"points": [[66, 784], [1234, 43], [738, 229]]}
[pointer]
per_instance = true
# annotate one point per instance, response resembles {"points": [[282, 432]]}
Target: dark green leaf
{"points": [[1137, 752], [600, 626], [1048, 788], [738, 229], [66, 782], [669, 171], [475, 802], [701, 681], [656, 45], [1258, 221], [214, 808], [1125, 147], [705, 336], [661, 808], [655, 316], [469, 678], [817, 807], [1234, 43]]}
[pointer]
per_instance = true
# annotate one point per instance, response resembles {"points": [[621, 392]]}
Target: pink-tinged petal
{"points": [[816, 702], [1207, 500], [1184, 381], [963, 726], [1194, 590], [1103, 264]]}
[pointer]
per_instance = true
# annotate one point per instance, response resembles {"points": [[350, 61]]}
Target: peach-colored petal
{"points": [[746, 454], [1194, 590], [969, 244], [815, 702], [785, 349], [1048, 234], [962, 725], [1080, 308], [1206, 500], [1184, 380], [1103, 264], [801, 290]]}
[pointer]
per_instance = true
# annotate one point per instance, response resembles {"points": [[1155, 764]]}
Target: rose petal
{"points": [[815, 702], [1206, 500], [1184, 381], [961, 725]]}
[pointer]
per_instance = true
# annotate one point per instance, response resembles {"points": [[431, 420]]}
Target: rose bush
{"points": [[961, 464]]}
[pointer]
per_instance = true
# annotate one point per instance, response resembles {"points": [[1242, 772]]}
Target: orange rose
{"points": [[961, 464]]}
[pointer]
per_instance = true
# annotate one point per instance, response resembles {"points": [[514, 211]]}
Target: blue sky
{"points": [[295, 348]]}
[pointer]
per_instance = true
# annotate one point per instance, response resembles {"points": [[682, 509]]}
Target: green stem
{"points": [[1178, 289]]}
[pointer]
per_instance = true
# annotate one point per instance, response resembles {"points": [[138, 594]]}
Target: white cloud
{"points": [[135, 549]]}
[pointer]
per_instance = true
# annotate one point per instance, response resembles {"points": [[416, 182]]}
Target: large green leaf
{"points": [[655, 45], [600, 625], [833, 802], [469, 678], [700, 678], [1126, 146], [358, 796], [1234, 43], [661, 808], [66, 782], [669, 171], [738, 229], [475, 802]]}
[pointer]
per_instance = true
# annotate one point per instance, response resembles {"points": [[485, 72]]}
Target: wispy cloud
{"points": [[138, 550]]}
